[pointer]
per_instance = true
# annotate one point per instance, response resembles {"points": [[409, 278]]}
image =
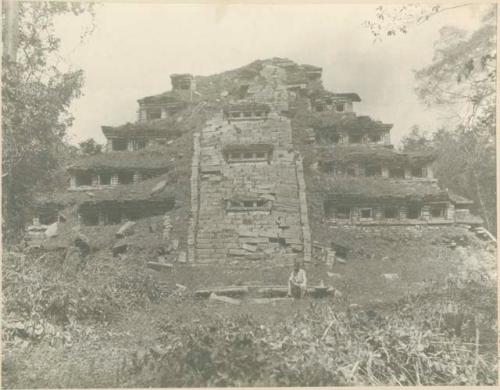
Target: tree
{"points": [[394, 20], [461, 80], [465, 164], [462, 76], [90, 147], [416, 141], [36, 95]]}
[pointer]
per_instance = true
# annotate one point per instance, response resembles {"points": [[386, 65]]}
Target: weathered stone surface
{"points": [[158, 187], [182, 258], [250, 248], [51, 230], [37, 228], [273, 291], [220, 233], [330, 257], [237, 252], [270, 300], [119, 249], [248, 233], [226, 291], [126, 229], [221, 298], [159, 266]]}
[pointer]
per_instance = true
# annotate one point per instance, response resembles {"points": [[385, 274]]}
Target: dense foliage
{"points": [[90, 147], [446, 334], [64, 288], [466, 165], [417, 342], [36, 94], [460, 82]]}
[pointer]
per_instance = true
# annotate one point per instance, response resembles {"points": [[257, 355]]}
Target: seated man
{"points": [[297, 283]]}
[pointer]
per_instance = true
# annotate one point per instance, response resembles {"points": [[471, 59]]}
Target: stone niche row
{"points": [[114, 212], [410, 213], [374, 170], [82, 180]]}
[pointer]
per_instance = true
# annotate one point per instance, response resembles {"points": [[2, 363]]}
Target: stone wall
{"points": [[195, 203], [320, 217], [275, 233]]}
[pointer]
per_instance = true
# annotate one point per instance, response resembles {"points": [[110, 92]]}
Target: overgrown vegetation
{"points": [[102, 321], [417, 343], [64, 288], [465, 164], [36, 94], [461, 81], [90, 147], [70, 319]]}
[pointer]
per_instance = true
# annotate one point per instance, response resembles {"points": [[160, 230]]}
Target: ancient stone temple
{"points": [[257, 164]]}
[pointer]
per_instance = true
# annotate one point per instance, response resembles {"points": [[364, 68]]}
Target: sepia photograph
{"points": [[225, 194]]}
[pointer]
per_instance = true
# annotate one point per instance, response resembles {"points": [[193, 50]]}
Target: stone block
{"points": [[159, 266], [51, 230], [126, 229], [247, 233], [236, 252], [119, 249], [294, 240], [268, 234], [250, 248], [254, 240], [390, 277], [270, 300], [158, 187], [221, 298], [231, 291], [182, 257]]}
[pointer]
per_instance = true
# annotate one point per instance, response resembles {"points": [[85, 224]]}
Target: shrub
{"points": [[63, 292], [409, 344]]}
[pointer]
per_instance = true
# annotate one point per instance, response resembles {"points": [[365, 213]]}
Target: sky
{"points": [[135, 47]]}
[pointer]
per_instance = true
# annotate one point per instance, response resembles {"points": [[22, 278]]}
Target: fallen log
{"points": [[273, 291], [232, 291], [269, 300]]}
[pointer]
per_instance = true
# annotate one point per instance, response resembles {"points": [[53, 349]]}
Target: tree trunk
{"points": [[11, 29], [481, 202]]}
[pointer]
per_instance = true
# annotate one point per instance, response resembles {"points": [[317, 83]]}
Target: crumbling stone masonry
{"points": [[251, 202], [247, 183], [195, 204]]}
